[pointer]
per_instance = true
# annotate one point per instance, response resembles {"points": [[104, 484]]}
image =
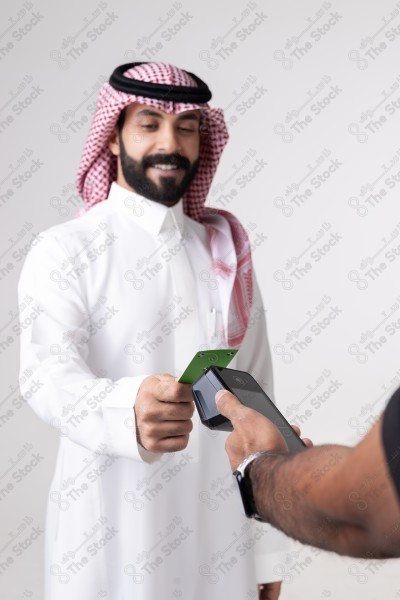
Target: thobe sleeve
{"points": [[254, 356], [55, 378]]}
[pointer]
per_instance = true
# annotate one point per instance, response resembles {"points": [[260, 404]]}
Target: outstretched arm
{"points": [[334, 497]]}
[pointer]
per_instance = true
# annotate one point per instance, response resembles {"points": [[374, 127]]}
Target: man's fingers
{"points": [[176, 411], [296, 428], [252, 431], [269, 591], [169, 444], [166, 429], [157, 412], [169, 390], [307, 441], [228, 405], [163, 410]]}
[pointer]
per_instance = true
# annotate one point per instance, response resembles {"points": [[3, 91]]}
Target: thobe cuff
{"points": [[120, 421]]}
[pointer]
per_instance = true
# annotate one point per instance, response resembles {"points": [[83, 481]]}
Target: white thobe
{"points": [[124, 292]]}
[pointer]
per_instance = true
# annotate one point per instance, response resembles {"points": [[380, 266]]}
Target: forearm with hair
{"points": [[326, 496], [285, 489]]}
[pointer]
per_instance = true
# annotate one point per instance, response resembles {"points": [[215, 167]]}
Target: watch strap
{"points": [[245, 486]]}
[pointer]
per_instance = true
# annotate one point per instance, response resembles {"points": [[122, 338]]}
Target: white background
{"points": [[306, 87]]}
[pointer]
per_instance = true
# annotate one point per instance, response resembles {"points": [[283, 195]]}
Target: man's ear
{"points": [[113, 142]]}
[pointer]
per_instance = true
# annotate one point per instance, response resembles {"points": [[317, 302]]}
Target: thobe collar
{"points": [[153, 217]]}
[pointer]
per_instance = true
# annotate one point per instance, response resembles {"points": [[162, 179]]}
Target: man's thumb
{"points": [[227, 404]]}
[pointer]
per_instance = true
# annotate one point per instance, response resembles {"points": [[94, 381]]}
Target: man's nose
{"points": [[167, 140]]}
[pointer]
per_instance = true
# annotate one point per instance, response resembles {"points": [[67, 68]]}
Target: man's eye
{"points": [[146, 126], [186, 129]]}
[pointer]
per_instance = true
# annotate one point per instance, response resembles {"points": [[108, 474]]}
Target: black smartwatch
{"points": [[245, 488]]}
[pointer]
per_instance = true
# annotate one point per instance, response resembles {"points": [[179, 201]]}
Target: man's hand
{"points": [[252, 432], [269, 591], [163, 411]]}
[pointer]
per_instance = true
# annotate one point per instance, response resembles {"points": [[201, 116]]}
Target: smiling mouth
{"points": [[164, 167]]}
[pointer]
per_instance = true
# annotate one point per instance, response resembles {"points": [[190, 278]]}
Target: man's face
{"points": [[158, 153]]}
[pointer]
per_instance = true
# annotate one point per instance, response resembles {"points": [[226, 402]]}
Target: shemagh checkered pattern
{"points": [[98, 169]]}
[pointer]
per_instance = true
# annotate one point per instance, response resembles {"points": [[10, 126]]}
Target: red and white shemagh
{"points": [[98, 169]]}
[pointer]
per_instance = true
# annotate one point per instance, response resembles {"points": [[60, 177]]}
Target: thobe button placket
{"points": [[185, 318]]}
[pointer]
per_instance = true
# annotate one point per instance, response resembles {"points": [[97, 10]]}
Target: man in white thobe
{"points": [[142, 504]]}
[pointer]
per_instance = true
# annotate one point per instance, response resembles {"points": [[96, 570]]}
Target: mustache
{"points": [[166, 159]]}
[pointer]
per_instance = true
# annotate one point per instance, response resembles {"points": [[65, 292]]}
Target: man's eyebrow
{"points": [[191, 116], [147, 112]]}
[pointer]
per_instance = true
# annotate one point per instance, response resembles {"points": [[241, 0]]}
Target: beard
{"points": [[167, 191]]}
